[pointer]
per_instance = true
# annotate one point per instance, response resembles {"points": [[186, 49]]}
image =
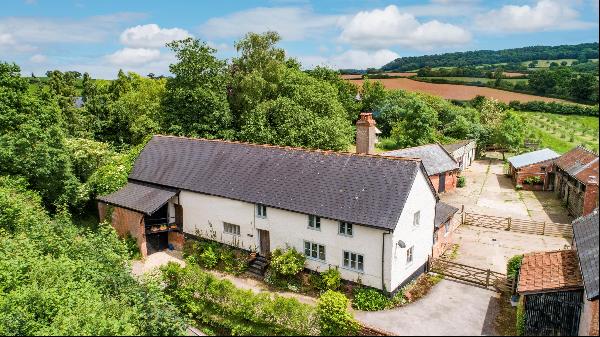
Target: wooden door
{"points": [[178, 215], [265, 242], [442, 183]]}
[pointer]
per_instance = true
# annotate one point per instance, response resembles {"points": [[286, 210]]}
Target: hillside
{"points": [[481, 57]]}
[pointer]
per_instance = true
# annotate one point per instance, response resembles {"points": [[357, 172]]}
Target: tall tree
{"points": [[511, 132], [195, 102]]}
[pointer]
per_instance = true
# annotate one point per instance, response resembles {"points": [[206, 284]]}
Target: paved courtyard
{"points": [[489, 191]]}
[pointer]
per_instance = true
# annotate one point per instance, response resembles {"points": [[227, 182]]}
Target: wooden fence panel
{"points": [[519, 225], [487, 221]]}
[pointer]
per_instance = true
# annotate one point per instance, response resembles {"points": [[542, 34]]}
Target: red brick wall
{"points": [[451, 180], [534, 170], [125, 221], [177, 240], [590, 199], [444, 241], [435, 180], [594, 322]]}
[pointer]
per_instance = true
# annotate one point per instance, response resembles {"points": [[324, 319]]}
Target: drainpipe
{"points": [[383, 259]]}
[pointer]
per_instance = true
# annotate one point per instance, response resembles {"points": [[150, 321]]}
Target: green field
{"points": [[479, 79], [562, 132], [546, 63]]}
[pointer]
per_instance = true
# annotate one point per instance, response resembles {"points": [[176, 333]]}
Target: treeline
{"points": [[582, 51]]}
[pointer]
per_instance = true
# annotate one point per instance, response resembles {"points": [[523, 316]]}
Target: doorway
{"points": [[442, 183], [264, 242], [157, 242]]}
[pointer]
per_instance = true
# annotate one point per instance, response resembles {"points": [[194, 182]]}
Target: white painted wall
{"points": [[421, 237], [204, 215]]}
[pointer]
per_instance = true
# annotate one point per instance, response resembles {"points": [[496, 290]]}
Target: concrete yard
{"points": [[489, 191], [450, 309]]}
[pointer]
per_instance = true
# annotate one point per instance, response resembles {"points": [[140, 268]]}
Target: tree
{"points": [[62, 85], [372, 94], [511, 132], [542, 81], [32, 139], [584, 87], [195, 102], [347, 91], [417, 126]]}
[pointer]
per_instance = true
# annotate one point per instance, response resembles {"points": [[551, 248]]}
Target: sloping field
{"points": [[459, 92]]}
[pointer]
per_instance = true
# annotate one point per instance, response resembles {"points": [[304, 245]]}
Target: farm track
{"points": [[457, 91]]}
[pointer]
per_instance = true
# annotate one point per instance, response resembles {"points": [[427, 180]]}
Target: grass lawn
{"points": [[562, 132]]}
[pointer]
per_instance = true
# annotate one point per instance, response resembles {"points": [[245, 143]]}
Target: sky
{"points": [[101, 37]]}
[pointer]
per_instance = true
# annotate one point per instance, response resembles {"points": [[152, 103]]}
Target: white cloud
{"points": [[383, 28], [9, 44], [355, 59], [38, 58], [151, 36], [545, 15], [291, 23], [133, 56]]}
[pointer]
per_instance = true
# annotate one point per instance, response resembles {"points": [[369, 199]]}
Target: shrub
{"points": [[556, 108], [369, 299], [518, 187], [219, 304], [462, 181], [132, 247], [533, 180], [287, 262], [513, 266], [328, 280], [232, 260], [208, 258], [520, 319], [333, 315]]}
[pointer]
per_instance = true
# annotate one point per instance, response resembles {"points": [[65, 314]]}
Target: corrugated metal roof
{"points": [[585, 233], [579, 163], [140, 197], [534, 157], [443, 212], [362, 189], [435, 159]]}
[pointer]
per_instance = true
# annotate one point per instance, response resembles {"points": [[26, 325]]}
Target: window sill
{"points": [[346, 235], [313, 229], [315, 259], [362, 272]]}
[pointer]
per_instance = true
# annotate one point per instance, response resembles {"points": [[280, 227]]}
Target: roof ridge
{"points": [[585, 149], [309, 150]]}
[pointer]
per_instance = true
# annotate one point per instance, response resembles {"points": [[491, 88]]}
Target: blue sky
{"points": [[101, 37]]}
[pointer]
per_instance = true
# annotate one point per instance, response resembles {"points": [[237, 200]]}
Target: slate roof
{"points": [[364, 189], [533, 157], [579, 163], [140, 197], [585, 235], [455, 146], [443, 212], [549, 271], [435, 159]]}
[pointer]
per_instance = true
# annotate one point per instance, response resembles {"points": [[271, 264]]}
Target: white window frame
{"points": [[231, 229], [410, 252], [356, 261], [417, 219], [345, 227], [261, 211], [313, 247], [314, 222]]}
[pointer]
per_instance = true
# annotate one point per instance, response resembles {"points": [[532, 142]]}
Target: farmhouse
{"points": [[463, 152], [576, 181], [585, 242], [533, 170], [370, 216], [441, 167], [445, 224]]}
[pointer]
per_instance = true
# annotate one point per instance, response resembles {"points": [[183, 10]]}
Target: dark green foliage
{"points": [[533, 180], [288, 262], [208, 259], [220, 305], [369, 299], [333, 315], [479, 57], [513, 266], [211, 254], [59, 279], [520, 319], [556, 107], [328, 280], [131, 245], [462, 181]]}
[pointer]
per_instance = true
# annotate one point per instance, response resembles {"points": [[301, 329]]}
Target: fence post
{"points": [[487, 279], [509, 224], [544, 228]]}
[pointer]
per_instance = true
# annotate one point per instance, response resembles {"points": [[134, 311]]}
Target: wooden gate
{"points": [[518, 225], [478, 276]]}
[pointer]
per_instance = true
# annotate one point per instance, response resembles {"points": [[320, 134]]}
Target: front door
{"points": [[178, 215], [265, 242], [442, 187]]}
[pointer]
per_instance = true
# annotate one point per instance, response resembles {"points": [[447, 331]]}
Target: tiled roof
{"points": [[534, 157], [443, 212], [585, 233], [364, 189], [140, 197], [435, 159], [579, 163], [549, 271], [455, 146]]}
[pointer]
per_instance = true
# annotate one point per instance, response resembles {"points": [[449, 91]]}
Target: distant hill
{"points": [[481, 57]]}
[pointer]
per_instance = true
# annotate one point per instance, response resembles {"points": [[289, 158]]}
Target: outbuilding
{"points": [[576, 182], [533, 170], [445, 224], [463, 152]]}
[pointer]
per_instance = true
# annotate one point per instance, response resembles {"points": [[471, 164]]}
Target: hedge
{"points": [[556, 108]]}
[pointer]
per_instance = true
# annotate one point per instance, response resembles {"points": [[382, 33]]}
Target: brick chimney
{"points": [[590, 198], [366, 134]]}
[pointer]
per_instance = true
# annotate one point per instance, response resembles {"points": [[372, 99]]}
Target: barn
{"points": [[463, 152], [533, 170], [576, 182]]}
